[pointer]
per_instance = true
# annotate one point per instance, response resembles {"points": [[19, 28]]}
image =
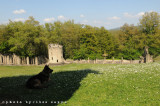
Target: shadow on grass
{"points": [[61, 87]]}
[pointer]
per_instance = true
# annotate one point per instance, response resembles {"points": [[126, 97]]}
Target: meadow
{"points": [[85, 85]]}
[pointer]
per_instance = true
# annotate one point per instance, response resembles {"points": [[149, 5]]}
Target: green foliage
{"points": [[132, 39], [89, 41], [157, 59], [29, 38], [105, 42], [26, 39], [80, 53], [4, 48], [128, 47], [150, 22]]}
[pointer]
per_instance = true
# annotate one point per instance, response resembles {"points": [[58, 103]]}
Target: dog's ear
{"points": [[45, 66]]}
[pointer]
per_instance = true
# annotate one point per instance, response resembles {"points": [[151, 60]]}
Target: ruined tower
{"points": [[55, 53]]}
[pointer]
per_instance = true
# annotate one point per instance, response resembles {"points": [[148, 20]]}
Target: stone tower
{"points": [[55, 53]]}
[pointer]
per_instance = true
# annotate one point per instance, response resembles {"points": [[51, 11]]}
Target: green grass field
{"points": [[85, 84]]}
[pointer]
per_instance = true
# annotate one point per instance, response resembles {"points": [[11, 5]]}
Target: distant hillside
{"points": [[115, 29]]}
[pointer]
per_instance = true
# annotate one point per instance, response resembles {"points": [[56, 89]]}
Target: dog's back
{"points": [[33, 82], [38, 81]]}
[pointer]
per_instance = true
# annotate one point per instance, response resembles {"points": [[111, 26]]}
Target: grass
{"points": [[86, 84]]}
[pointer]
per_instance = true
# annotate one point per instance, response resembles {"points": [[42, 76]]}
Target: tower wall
{"points": [[55, 53]]}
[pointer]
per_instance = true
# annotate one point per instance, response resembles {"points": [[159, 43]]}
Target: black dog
{"points": [[39, 81]]}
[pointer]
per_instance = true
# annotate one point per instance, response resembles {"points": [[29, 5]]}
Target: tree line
{"points": [[80, 41]]}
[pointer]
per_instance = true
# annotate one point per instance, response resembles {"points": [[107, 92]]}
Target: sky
{"points": [[108, 13]]}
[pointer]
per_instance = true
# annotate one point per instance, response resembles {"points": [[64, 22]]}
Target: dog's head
{"points": [[47, 69]]}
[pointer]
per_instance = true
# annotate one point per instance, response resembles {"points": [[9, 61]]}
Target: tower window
{"points": [[52, 58], [12, 59], [2, 59]]}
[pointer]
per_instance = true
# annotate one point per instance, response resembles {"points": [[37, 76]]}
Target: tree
{"points": [[29, 38], [89, 41], [105, 42], [70, 38], [4, 47], [26, 39], [150, 27], [128, 47], [150, 22]]}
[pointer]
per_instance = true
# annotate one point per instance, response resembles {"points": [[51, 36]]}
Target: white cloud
{"points": [[21, 11], [49, 19], [140, 14], [19, 19], [133, 16], [114, 18], [82, 16], [61, 17]]}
